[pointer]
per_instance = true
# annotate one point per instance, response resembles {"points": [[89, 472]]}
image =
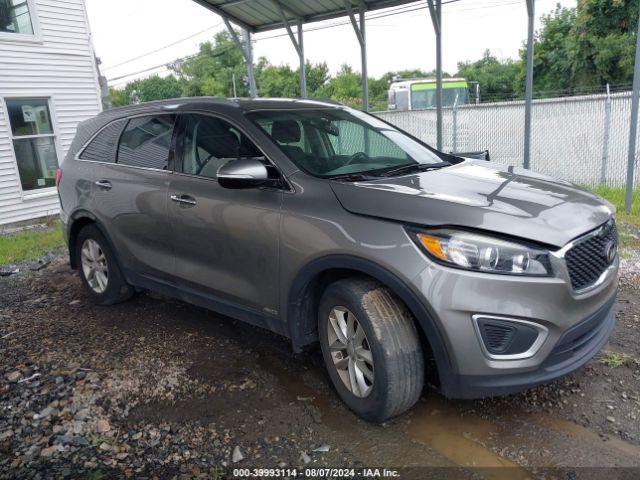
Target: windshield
{"points": [[426, 98], [337, 142]]}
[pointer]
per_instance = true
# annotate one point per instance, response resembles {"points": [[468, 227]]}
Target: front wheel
{"points": [[371, 348]]}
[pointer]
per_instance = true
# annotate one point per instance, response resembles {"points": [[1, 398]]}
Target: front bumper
{"points": [[576, 347], [576, 326]]}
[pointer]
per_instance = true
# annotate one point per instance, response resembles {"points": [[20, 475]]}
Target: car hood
{"points": [[476, 194]]}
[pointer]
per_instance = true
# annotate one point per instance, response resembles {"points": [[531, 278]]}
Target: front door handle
{"points": [[184, 199], [104, 184]]}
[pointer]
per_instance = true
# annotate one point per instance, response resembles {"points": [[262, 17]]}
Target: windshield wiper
{"points": [[414, 167], [352, 177]]}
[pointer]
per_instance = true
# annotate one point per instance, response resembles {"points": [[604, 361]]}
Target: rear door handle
{"points": [[184, 199], [104, 184]]}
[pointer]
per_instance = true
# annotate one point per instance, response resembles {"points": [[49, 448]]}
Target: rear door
{"points": [[130, 196], [226, 241]]}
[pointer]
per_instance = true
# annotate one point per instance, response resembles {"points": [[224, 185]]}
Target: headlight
{"points": [[482, 253]]}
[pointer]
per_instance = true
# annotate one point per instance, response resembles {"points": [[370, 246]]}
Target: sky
{"points": [[126, 32]]}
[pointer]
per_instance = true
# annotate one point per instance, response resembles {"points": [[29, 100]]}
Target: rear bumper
{"points": [[575, 347]]}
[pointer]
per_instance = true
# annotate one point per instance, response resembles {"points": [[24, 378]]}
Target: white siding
{"points": [[60, 66]]}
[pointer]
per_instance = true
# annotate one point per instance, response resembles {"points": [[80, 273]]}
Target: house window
{"points": [[33, 142], [15, 17]]}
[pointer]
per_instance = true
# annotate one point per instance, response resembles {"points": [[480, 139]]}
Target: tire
{"points": [[393, 343], [115, 289]]}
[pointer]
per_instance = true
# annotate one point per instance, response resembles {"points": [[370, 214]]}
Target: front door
{"points": [[226, 241]]}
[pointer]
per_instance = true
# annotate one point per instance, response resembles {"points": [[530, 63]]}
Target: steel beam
{"points": [[218, 11], [435, 10], [528, 100], [247, 53], [362, 39], [303, 67], [297, 44], [633, 130]]}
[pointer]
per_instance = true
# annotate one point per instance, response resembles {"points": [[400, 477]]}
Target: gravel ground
{"points": [[157, 387]]}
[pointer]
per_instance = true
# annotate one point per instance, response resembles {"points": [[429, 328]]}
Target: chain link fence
{"points": [[582, 139]]}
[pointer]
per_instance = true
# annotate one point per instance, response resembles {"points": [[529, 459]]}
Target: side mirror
{"points": [[243, 173]]}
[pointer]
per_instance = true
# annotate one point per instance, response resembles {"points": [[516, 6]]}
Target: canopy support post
{"points": [[529, 86], [435, 10], [633, 131], [247, 53], [362, 39], [297, 44], [303, 67]]}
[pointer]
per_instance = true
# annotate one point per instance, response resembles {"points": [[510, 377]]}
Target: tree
{"points": [[317, 79], [497, 78], [554, 53], [346, 87], [604, 38], [278, 81], [147, 90], [583, 47], [212, 70]]}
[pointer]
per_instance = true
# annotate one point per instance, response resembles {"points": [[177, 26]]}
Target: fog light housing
{"points": [[503, 338]]}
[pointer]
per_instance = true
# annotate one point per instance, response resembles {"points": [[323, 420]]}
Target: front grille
{"points": [[587, 259]]}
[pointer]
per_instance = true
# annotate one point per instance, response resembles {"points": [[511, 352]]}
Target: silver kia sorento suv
{"points": [[326, 224]]}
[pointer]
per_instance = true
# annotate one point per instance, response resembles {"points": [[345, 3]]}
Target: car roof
{"points": [[243, 104]]}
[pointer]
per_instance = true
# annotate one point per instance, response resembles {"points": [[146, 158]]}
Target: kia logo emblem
{"points": [[610, 250]]}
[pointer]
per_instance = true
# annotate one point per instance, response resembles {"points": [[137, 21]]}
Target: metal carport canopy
{"points": [[263, 15]]}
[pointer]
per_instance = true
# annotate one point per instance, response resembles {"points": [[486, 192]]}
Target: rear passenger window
{"points": [[104, 146], [146, 142]]}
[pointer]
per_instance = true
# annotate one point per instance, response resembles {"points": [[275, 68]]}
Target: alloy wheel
{"points": [[94, 266], [350, 351]]}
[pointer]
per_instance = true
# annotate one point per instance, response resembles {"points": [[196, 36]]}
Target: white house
{"points": [[48, 83]]}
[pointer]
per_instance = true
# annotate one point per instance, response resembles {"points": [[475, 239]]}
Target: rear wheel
{"points": [[371, 348], [99, 270]]}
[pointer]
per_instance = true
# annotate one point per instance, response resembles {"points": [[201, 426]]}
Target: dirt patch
{"points": [[159, 387]]}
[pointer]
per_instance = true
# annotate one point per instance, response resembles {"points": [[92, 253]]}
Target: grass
{"points": [[30, 244], [617, 196], [616, 360], [628, 223]]}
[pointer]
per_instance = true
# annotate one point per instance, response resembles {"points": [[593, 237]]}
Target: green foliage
{"points": [[616, 360], [147, 90], [616, 196], [498, 79], [213, 69], [584, 47], [279, 81], [30, 244], [554, 53]]}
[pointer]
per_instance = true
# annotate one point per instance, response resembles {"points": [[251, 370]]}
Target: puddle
{"points": [[585, 435], [460, 439]]}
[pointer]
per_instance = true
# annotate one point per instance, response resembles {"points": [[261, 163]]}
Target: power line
{"points": [[159, 49], [394, 11]]}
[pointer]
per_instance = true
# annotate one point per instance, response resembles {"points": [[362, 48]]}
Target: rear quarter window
{"points": [[146, 142], [104, 146]]}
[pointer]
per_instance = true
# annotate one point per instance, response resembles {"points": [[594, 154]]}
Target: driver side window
{"points": [[210, 142]]}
